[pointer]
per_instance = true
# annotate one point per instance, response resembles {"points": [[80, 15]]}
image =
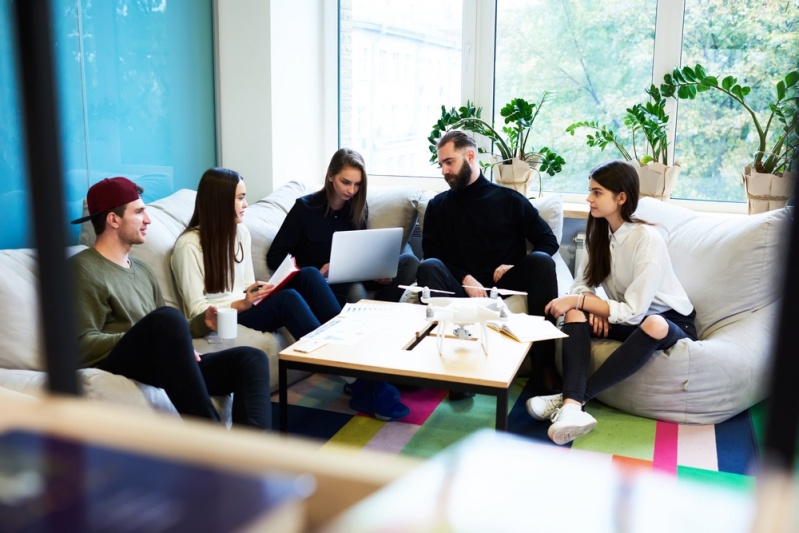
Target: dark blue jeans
{"points": [[636, 349], [302, 305], [158, 351], [534, 274]]}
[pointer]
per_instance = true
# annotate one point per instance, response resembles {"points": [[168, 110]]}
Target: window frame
{"points": [[478, 73]]}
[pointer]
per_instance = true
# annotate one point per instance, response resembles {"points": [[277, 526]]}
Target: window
{"points": [[597, 58], [750, 40], [418, 44], [594, 57]]}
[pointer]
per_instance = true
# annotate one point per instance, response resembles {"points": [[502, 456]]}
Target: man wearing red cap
{"points": [[125, 328]]}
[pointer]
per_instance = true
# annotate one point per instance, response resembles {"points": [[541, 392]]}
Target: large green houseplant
{"points": [[647, 122], [767, 177], [514, 162]]}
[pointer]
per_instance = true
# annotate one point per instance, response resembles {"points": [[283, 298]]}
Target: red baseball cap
{"points": [[108, 194]]}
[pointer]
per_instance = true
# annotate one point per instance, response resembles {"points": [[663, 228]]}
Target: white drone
{"points": [[462, 312]]}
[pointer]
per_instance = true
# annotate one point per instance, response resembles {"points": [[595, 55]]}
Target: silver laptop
{"points": [[363, 255]]}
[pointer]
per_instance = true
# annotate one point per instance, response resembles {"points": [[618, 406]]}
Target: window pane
{"points": [[399, 62], [754, 41], [596, 57]]}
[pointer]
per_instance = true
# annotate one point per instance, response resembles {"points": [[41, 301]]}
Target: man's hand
{"points": [[471, 292], [210, 317], [500, 271], [599, 325], [197, 355], [324, 269], [384, 281]]}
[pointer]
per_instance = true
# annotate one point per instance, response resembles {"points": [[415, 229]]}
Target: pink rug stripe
{"points": [[697, 447], [666, 447], [422, 403]]}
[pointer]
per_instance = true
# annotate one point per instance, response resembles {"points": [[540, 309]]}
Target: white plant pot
{"points": [[766, 192], [658, 180], [517, 174]]}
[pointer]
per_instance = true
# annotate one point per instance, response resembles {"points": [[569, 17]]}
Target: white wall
{"points": [[274, 77]]}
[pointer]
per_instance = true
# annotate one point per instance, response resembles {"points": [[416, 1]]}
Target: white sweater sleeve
{"points": [[189, 272]]}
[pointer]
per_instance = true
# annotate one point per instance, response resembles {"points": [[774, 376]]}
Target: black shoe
{"points": [[456, 395]]}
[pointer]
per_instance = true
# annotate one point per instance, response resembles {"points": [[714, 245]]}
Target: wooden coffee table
{"points": [[396, 347]]}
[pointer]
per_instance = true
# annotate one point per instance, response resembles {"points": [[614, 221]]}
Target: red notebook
{"points": [[287, 269]]}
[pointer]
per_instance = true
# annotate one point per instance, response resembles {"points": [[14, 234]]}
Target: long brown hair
{"points": [[617, 177], [347, 158], [215, 219]]}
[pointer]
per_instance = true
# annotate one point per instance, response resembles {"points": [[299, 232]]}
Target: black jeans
{"points": [[302, 305], [636, 349], [158, 351], [534, 274]]}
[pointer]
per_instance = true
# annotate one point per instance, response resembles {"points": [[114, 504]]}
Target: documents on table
{"points": [[359, 320], [527, 328]]}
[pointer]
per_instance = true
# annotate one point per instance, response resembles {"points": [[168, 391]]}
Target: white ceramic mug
{"points": [[226, 320]]}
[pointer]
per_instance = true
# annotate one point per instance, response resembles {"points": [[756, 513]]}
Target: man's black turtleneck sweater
{"points": [[482, 226]]}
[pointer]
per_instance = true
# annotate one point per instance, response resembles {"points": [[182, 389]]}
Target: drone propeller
{"points": [[417, 288], [493, 291]]}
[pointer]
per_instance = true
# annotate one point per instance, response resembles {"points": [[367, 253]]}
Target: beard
{"points": [[458, 181]]}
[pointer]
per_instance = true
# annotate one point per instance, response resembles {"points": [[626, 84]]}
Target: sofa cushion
{"points": [[727, 265], [393, 207], [264, 218], [20, 348]]}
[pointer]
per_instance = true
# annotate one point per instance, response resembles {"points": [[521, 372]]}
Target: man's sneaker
{"points": [[543, 407], [378, 399], [570, 422]]}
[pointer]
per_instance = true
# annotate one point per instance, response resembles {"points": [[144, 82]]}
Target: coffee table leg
{"points": [[502, 410], [283, 397]]}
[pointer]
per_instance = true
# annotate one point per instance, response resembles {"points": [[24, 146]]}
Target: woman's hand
{"points": [[559, 306], [257, 291], [210, 317], [599, 325]]}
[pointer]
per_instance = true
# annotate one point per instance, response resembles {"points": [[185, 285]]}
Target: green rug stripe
{"points": [[618, 433], [738, 482]]}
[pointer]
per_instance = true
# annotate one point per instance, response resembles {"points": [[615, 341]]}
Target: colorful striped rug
{"points": [[725, 453]]}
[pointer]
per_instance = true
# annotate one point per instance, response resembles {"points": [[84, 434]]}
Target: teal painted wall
{"points": [[136, 95]]}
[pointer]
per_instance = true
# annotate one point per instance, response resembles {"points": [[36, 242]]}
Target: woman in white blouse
{"points": [[647, 308]]}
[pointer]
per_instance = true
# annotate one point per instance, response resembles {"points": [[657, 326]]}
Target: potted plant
{"points": [[515, 164], [649, 120], [768, 177]]}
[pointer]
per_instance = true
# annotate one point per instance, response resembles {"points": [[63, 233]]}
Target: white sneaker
{"points": [[570, 422], [543, 407]]}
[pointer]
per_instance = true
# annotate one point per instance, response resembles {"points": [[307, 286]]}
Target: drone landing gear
{"points": [[460, 332]]}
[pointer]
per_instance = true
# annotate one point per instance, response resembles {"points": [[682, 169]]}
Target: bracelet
{"points": [[580, 301]]}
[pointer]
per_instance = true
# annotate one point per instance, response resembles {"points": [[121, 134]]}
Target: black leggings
{"points": [[158, 351], [636, 349]]}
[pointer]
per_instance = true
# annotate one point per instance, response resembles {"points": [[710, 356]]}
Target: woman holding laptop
{"points": [[307, 231], [307, 234], [212, 264]]}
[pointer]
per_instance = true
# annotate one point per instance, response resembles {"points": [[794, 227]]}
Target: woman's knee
{"points": [[655, 326], [573, 316]]}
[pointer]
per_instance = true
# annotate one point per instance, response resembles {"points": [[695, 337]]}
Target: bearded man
{"points": [[475, 237]]}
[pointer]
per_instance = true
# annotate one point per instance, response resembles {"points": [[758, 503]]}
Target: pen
{"points": [[254, 289]]}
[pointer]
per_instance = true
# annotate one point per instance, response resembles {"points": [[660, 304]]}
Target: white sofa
{"points": [[730, 268], [21, 358]]}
